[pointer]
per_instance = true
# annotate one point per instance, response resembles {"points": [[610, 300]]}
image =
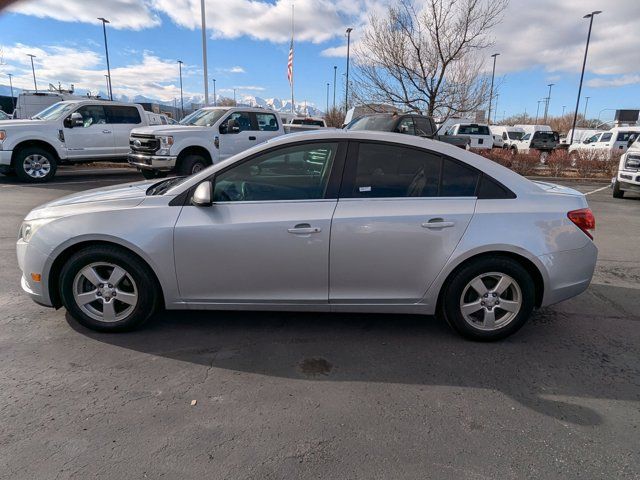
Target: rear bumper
{"points": [[569, 273], [163, 163]]}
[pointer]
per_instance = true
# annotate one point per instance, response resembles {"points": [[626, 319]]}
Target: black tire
{"points": [[513, 150], [44, 161], [144, 285], [458, 284], [192, 164], [152, 174], [617, 193]]}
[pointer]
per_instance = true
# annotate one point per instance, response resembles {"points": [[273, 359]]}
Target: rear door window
{"points": [[606, 137], [458, 180], [267, 122], [122, 114]]}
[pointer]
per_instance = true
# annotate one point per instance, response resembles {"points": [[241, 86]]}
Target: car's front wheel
{"points": [[617, 192], [35, 165], [192, 164], [489, 298], [106, 288]]}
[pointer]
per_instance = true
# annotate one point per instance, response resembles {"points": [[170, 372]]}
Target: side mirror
{"points": [[202, 196], [232, 126], [74, 120]]}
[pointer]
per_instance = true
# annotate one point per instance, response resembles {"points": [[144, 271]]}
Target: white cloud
{"points": [[130, 14], [236, 69], [621, 81]]}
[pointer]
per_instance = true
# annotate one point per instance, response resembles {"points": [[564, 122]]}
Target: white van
{"points": [[478, 133], [32, 103], [505, 136]]}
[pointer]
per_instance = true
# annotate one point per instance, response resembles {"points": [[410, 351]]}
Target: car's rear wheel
{"points": [[108, 289], [617, 193], [192, 164], [35, 165], [489, 298]]}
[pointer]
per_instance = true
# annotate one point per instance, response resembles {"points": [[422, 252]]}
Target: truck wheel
{"points": [[617, 193], [35, 165], [192, 164], [152, 174]]}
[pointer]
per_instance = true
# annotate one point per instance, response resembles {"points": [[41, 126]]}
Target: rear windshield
{"points": [[383, 123], [307, 121], [473, 130], [545, 136]]}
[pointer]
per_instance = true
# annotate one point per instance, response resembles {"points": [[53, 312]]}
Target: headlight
{"points": [[27, 229], [165, 144], [3, 135]]}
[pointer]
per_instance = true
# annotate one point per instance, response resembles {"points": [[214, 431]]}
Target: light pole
{"points": [[496, 111], [586, 102], [13, 101], [335, 72], [493, 74], [235, 104], [204, 53], [214, 93], [108, 84], [546, 107], [563, 107], [584, 63], [106, 50], [33, 70], [327, 97], [346, 90], [538, 111], [180, 62]]}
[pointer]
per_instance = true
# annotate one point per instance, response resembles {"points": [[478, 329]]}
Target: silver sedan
{"points": [[324, 221]]}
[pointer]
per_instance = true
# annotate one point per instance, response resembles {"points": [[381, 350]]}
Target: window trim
{"points": [[350, 168], [333, 185]]}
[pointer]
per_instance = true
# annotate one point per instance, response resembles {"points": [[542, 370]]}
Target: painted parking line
{"points": [[598, 190]]}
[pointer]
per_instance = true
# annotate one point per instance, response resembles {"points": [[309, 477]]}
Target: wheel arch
{"points": [[194, 150], [34, 143], [59, 260], [532, 269]]}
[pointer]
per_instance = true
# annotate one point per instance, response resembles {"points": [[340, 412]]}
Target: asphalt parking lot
{"points": [[287, 395]]}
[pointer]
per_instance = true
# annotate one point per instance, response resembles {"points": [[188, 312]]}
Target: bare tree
{"points": [[226, 102], [428, 59], [334, 117]]}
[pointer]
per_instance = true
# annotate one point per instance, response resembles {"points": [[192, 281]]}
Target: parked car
{"points": [[541, 141], [505, 136], [203, 138], [627, 178], [604, 145], [407, 123], [415, 226], [479, 134], [67, 132]]}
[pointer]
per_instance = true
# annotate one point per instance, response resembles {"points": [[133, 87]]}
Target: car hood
{"points": [[169, 130], [114, 197], [8, 124]]}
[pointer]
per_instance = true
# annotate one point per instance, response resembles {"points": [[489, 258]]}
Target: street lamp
{"points": [[586, 102], [180, 62], [215, 103], [496, 112], [538, 111], [493, 74], [235, 104], [108, 83], [563, 107], [546, 107], [13, 100], [106, 50], [584, 63], [346, 90], [327, 97], [33, 70], [204, 53], [335, 71]]}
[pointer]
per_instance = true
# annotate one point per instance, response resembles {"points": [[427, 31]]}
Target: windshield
{"points": [[473, 130], [203, 117], [383, 123], [515, 135], [162, 187], [55, 111]]}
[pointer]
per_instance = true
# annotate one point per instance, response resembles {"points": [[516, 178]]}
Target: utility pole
{"points": [[328, 84], [106, 50], [34, 71], [215, 102], [180, 62], [563, 107], [585, 109], [546, 107], [108, 83], [335, 72], [584, 63], [538, 111], [496, 111], [346, 89], [13, 100], [493, 74], [235, 104], [204, 53]]}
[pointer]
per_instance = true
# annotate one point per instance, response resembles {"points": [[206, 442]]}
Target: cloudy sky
{"points": [[540, 42]]}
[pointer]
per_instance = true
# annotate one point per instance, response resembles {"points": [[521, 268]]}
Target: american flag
{"points": [[290, 64]]}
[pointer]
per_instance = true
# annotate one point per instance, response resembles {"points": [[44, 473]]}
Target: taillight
{"points": [[584, 220]]}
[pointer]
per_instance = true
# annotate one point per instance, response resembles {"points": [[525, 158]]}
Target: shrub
{"points": [[558, 163]]}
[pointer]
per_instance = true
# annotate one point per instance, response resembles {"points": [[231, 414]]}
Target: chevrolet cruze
{"points": [[338, 221]]}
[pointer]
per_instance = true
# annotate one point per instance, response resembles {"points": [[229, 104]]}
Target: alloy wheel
{"points": [[491, 301], [36, 165]]}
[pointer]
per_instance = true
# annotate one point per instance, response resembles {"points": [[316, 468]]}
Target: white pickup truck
{"points": [[203, 138], [67, 132], [627, 178]]}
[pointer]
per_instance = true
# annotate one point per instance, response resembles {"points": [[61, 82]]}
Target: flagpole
{"points": [[292, 32]]}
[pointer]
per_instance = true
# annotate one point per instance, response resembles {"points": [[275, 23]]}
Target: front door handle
{"points": [[252, 138], [106, 131], [436, 223], [304, 229]]}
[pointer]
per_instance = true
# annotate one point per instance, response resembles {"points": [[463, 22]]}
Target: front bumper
{"points": [[164, 163], [5, 157], [34, 261], [629, 180]]}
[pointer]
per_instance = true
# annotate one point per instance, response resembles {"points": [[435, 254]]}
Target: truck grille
{"points": [[143, 143]]}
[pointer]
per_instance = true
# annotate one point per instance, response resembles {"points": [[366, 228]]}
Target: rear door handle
{"points": [[106, 131], [304, 229], [252, 138], [436, 223]]}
